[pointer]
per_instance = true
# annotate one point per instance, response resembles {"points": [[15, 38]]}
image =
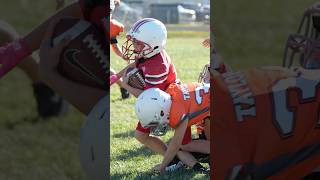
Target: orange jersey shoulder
{"points": [[266, 123], [189, 102]]}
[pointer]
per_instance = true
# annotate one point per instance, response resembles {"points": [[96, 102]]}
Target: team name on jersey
{"points": [[185, 92], [243, 102]]}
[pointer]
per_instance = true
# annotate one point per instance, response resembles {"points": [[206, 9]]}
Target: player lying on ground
{"points": [[179, 107]]}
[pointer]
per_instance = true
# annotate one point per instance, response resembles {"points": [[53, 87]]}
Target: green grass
{"points": [[130, 159]]}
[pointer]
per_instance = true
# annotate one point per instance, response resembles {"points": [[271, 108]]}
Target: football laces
{"points": [[96, 48]]}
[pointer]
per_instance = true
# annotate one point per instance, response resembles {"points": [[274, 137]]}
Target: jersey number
{"points": [[284, 114], [205, 89]]}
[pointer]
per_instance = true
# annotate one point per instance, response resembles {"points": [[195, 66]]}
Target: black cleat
{"points": [[200, 169], [49, 104], [124, 93]]}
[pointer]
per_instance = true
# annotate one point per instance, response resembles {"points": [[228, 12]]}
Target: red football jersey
{"points": [[158, 71], [265, 124]]}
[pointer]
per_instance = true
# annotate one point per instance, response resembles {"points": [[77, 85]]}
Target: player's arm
{"points": [[115, 29], [34, 38], [115, 47], [174, 145], [81, 96], [116, 77]]}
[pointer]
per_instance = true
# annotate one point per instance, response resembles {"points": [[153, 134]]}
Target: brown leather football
{"points": [[84, 59], [135, 78]]}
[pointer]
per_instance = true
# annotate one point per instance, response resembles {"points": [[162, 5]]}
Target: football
{"points": [[135, 78], [84, 59]]}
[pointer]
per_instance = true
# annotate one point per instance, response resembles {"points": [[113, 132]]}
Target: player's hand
{"points": [[125, 78], [124, 72], [49, 55], [59, 4]]}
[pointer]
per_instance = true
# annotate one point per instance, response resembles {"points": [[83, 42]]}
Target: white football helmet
{"points": [[94, 141], [152, 109], [149, 32]]}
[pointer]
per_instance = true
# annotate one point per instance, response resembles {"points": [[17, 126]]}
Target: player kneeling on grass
{"points": [[179, 107]]}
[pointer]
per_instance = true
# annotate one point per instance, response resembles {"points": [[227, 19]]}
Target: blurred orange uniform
{"points": [[265, 124], [115, 28]]}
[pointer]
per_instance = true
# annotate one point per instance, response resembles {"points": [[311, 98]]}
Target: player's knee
{"points": [[141, 136]]}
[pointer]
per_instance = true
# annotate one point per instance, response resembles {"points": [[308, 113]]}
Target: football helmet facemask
{"points": [[304, 46]]}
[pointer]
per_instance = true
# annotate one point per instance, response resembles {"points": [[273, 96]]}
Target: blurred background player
{"points": [[115, 29], [93, 103], [45, 70], [48, 102], [13, 53]]}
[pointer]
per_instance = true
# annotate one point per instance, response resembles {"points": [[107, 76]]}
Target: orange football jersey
{"points": [[265, 124], [189, 102], [115, 28]]}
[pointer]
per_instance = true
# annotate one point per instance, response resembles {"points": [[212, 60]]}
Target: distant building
{"points": [[168, 1], [170, 11]]}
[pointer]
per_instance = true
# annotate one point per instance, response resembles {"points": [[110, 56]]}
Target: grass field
{"points": [[130, 159]]}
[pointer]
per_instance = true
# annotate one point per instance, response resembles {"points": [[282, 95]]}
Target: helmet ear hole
{"points": [[161, 113], [155, 47]]}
